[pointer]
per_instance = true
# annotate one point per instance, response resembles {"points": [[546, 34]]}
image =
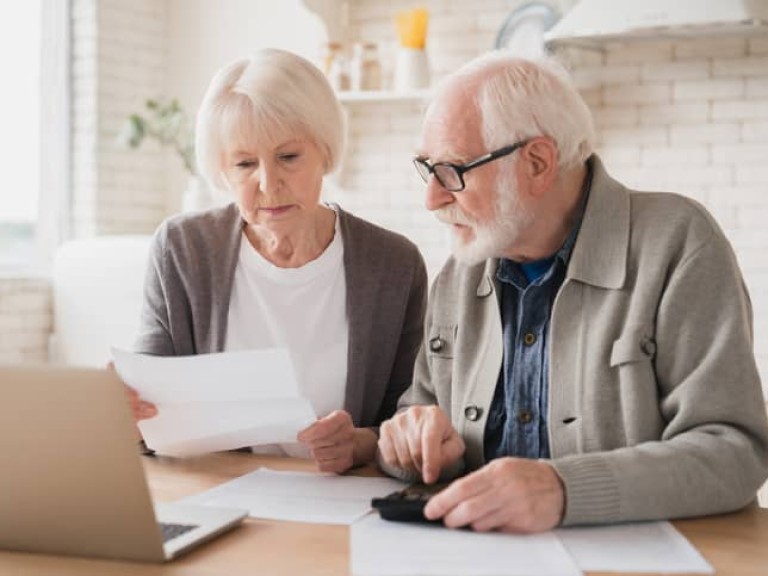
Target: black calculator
{"points": [[405, 505]]}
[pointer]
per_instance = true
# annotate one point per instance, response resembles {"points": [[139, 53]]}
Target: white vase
{"points": [[411, 70], [196, 196]]}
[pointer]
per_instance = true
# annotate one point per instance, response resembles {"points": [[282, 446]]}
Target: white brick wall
{"points": [[709, 139], [25, 320], [378, 181], [118, 53], [119, 61], [687, 116]]}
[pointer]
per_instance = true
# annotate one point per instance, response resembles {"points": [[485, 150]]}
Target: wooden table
{"points": [[735, 544]]}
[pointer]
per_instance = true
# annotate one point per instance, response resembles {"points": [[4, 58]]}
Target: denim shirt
{"points": [[517, 420]]}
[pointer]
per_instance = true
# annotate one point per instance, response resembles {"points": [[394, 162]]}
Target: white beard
{"points": [[490, 240]]}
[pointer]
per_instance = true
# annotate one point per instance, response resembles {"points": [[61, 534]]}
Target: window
{"points": [[34, 140]]}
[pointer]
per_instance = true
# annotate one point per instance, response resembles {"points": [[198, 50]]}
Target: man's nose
{"points": [[437, 196]]}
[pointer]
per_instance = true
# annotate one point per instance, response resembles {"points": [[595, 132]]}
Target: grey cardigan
{"points": [[655, 405], [189, 283]]}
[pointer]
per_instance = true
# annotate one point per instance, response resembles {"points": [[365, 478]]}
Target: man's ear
{"points": [[540, 164]]}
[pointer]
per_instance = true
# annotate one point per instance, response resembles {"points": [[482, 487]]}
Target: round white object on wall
{"points": [[523, 30]]}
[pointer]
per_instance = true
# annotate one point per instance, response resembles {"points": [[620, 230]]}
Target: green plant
{"points": [[167, 123]]}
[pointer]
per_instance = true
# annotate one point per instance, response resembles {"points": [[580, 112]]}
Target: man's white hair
{"points": [[520, 98], [272, 96]]}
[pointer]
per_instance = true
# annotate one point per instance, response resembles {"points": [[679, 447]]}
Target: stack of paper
{"points": [[216, 402]]}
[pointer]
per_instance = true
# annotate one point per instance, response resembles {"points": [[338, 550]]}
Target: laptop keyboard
{"points": [[170, 531]]}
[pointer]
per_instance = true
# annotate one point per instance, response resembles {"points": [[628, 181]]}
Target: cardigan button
{"points": [[436, 344], [648, 346], [472, 413]]}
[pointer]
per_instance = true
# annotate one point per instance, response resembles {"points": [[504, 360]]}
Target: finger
{"points": [[146, 410], [326, 453], [332, 424], [335, 465], [335, 459], [496, 519], [386, 447], [403, 452], [463, 489], [473, 509], [431, 444], [412, 439]]}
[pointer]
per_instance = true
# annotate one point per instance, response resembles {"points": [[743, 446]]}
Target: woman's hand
{"points": [[140, 409], [336, 445]]}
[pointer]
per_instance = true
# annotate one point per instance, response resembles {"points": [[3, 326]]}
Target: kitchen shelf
{"points": [[352, 97]]}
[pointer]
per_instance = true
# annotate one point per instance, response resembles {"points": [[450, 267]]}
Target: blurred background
{"points": [[681, 104]]}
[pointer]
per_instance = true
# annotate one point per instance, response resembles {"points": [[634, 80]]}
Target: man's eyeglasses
{"points": [[451, 176]]}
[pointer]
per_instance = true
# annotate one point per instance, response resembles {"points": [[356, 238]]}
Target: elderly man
{"points": [[587, 356]]}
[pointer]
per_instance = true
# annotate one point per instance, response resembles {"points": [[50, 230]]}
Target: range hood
{"points": [[593, 21]]}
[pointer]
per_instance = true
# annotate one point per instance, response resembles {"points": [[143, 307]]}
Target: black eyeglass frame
{"points": [[461, 169]]}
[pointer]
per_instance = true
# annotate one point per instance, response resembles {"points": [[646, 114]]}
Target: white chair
{"points": [[97, 294]]}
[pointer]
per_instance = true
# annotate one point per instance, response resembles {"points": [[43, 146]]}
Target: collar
{"points": [[600, 252], [596, 249]]}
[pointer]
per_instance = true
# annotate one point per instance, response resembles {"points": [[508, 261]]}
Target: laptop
{"points": [[72, 480]]}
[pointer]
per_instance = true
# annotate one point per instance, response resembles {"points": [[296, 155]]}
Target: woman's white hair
{"points": [[519, 98], [265, 99]]}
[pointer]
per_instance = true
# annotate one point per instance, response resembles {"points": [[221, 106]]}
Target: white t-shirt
{"points": [[302, 309]]}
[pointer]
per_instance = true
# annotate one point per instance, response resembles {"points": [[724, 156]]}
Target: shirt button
{"points": [[472, 413], [529, 338], [524, 416], [436, 344]]}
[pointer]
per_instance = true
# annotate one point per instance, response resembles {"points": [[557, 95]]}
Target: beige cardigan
{"points": [[655, 405], [189, 283]]}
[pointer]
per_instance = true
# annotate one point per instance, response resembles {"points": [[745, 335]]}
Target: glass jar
{"points": [[365, 68]]}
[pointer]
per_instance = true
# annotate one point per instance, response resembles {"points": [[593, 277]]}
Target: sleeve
{"points": [[154, 335], [421, 392], [713, 452], [410, 340]]}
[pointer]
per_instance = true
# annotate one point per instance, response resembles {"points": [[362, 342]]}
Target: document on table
{"points": [[213, 402], [649, 547], [383, 548], [299, 496], [639, 547]]}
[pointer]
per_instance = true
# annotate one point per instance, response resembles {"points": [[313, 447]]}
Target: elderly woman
{"points": [[280, 268]]}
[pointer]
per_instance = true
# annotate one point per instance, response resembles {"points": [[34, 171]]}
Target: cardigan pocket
{"points": [[635, 345], [635, 396]]}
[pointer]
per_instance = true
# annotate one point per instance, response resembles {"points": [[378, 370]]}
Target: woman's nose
{"points": [[269, 179]]}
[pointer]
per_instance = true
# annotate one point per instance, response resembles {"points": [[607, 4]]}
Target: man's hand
{"points": [[336, 445], [508, 494], [420, 439]]}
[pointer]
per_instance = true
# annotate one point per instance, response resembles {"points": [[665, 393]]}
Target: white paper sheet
{"points": [[642, 547], [299, 496], [383, 548], [215, 402]]}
